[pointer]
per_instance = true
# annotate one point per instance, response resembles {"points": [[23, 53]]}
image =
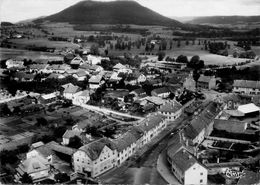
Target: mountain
{"points": [[114, 12], [6, 24], [225, 20]]}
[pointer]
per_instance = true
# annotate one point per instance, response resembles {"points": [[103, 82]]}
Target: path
{"points": [[107, 111], [164, 169]]}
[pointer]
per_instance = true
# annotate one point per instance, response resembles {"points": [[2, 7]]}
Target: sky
{"points": [[17, 10]]}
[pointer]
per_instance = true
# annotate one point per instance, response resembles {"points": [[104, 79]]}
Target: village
{"points": [[101, 116], [128, 104]]}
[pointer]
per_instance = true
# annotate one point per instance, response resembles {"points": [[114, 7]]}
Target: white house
{"points": [[70, 90], [94, 60], [95, 82], [187, 169], [246, 87], [14, 63], [36, 166], [82, 97], [121, 68], [77, 61], [95, 158], [125, 146], [171, 110], [68, 135], [80, 75]]}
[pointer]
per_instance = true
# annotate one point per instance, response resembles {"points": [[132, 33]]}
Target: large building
{"points": [[101, 155], [202, 125], [183, 164], [171, 110], [206, 82], [95, 158], [246, 87]]}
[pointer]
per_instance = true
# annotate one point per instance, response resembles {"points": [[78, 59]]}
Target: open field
{"points": [[42, 42], [6, 53]]}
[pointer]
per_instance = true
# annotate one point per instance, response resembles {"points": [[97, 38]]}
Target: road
{"points": [[107, 111]]}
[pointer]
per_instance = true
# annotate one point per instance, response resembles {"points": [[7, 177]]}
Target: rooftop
{"points": [[247, 84], [248, 108], [173, 106]]}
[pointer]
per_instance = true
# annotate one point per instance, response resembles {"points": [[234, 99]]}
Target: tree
{"points": [[161, 55], [26, 178], [75, 142], [94, 50], [41, 122], [196, 75], [182, 59]]}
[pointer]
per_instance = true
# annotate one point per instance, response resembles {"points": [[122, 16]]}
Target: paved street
{"points": [[164, 169]]}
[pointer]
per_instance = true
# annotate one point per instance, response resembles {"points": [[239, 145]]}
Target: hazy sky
{"points": [[16, 10]]}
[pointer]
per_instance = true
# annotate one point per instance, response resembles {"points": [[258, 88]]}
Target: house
{"points": [[125, 146], [94, 60], [14, 63], [95, 158], [70, 90], [48, 98], [121, 68], [202, 125], [68, 135], [56, 68], [76, 62], [116, 94], [152, 126], [171, 110], [249, 109], [82, 97], [115, 77], [246, 87], [154, 82], [138, 93], [162, 92], [186, 168], [38, 67], [93, 69], [55, 76], [80, 75], [95, 82], [206, 82], [35, 166]]}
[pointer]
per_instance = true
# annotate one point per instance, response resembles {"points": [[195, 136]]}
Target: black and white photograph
{"points": [[130, 92]]}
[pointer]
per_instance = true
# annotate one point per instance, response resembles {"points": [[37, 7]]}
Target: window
{"points": [[201, 173], [201, 180]]}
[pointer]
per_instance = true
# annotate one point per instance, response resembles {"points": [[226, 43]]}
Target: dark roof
{"points": [[247, 84], [138, 91], [94, 149], [205, 79], [183, 160], [124, 141], [70, 88], [151, 121], [161, 90], [202, 120], [171, 107]]}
